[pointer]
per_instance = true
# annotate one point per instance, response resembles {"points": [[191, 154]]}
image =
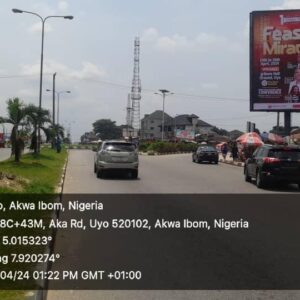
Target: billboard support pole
{"points": [[278, 116], [287, 122]]}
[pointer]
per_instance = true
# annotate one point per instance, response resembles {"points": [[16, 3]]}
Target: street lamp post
{"points": [[43, 20], [175, 127], [57, 94], [163, 93]]}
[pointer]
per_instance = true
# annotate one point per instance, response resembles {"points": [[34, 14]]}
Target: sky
{"points": [[197, 49]]}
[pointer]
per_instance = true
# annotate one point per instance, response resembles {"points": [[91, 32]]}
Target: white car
{"points": [[116, 155]]}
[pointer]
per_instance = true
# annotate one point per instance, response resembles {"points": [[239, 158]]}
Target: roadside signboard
{"points": [[185, 134], [275, 60]]}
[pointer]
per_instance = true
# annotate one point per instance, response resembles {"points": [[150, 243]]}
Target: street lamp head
{"points": [[47, 90], [17, 11], [69, 17], [68, 92], [164, 91]]}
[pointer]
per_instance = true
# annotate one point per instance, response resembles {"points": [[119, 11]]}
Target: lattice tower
{"points": [[136, 89]]}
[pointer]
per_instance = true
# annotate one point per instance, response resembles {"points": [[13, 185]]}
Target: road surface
{"points": [[162, 174]]}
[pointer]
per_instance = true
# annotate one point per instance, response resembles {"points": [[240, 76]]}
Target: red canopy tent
{"points": [[247, 143], [250, 139]]}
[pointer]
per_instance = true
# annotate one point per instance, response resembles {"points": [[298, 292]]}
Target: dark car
{"points": [[270, 163], [206, 153]]}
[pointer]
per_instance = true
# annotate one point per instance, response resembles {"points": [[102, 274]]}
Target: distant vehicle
{"points": [[273, 163], [116, 155], [206, 153]]}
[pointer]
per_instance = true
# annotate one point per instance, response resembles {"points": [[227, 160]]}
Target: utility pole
{"points": [[163, 93], [287, 122], [129, 116], [53, 95]]}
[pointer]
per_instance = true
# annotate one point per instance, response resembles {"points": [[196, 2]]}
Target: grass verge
{"points": [[35, 173], [35, 177]]}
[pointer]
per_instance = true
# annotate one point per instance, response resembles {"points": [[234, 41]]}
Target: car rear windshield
{"points": [[205, 149], [119, 147], [293, 154]]}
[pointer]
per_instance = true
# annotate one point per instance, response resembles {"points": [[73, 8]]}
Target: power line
{"points": [[20, 76], [124, 86], [144, 90]]}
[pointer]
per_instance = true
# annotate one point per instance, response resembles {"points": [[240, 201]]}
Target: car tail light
{"points": [[271, 160]]}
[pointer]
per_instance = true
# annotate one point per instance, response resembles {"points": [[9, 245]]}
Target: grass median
{"points": [[34, 174], [35, 177]]}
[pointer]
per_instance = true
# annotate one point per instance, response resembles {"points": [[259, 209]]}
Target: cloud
{"points": [[203, 42], [37, 27], [150, 34], [43, 9], [246, 30], [87, 71], [28, 93], [288, 4], [63, 5], [209, 85]]}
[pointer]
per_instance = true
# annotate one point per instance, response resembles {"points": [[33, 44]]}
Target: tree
{"points": [[107, 129], [54, 131], [16, 116], [35, 116]]}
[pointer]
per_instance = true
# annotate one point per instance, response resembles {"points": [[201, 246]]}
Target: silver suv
{"points": [[117, 155]]}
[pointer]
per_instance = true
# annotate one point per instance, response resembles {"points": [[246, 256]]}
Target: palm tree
{"points": [[16, 116], [52, 132], [37, 117], [57, 130]]}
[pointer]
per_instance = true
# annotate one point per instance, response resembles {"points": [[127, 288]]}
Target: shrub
{"points": [[166, 147]]}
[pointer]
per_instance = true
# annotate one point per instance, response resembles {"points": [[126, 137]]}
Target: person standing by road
{"points": [[58, 144], [234, 151], [224, 150]]}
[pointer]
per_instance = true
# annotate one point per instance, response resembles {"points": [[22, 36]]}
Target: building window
{"points": [[151, 128]]}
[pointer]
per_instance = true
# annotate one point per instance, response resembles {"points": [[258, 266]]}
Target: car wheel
{"points": [[247, 177], [260, 182], [134, 174], [216, 162], [193, 158], [198, 161], [100, 173], [95, 168]]}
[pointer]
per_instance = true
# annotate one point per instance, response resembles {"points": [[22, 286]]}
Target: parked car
{"points": [[273, 163], [206, 153], [116, 155]]}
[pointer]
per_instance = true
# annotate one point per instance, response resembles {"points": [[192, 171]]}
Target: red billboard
{"points": [[275, 60]]}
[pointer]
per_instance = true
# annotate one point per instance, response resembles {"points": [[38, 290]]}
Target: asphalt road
{"points": [[159, 174]]}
